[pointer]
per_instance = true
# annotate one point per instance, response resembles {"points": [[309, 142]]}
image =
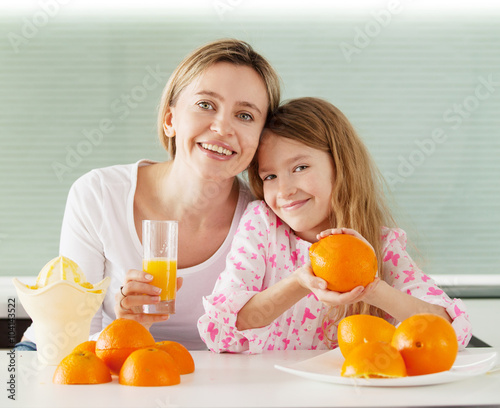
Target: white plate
{"points": [[326, 367]]}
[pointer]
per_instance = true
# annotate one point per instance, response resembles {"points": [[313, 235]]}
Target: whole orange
{"points": [[343, 261], [82, 367], [88, 345], [427, 342], [119, 339], [149, 367], [179, 353], [358, 329], [376, 359]]}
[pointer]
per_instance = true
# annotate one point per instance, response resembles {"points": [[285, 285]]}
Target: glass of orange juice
{"points": [[159, 242]]}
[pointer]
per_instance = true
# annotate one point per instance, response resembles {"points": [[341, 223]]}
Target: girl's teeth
{"points": [[218, 149]]}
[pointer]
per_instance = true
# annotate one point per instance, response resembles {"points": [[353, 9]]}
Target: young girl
{"points": [[316, 178]]}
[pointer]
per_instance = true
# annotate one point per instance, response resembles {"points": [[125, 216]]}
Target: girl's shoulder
{"points": [[260, 210], [393, 236]]}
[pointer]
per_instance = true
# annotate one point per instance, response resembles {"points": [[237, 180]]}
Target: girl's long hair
{"points": [[358, 199]]}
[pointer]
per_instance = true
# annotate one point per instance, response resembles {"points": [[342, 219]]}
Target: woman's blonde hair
{"points": [[224, 50], [358, 200]]}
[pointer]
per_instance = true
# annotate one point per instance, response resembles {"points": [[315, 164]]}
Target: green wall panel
{"points": [[423, 92]]}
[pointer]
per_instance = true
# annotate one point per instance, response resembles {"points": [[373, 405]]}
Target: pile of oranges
{"points": [[126, 349], [422, 344]]}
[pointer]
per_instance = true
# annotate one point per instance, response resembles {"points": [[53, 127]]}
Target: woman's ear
{"points": [[168, 126]]}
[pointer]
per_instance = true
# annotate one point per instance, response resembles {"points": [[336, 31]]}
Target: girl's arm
{"points": [[262, 309], [272, 302], [243, 278], [416, 292], [406, 290], [398, 304]]}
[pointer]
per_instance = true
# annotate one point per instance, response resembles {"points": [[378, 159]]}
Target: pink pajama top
{"points": [[264, 251]]}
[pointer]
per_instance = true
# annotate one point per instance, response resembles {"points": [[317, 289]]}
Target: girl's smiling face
{"points": [[297, 182], [217, 120]]}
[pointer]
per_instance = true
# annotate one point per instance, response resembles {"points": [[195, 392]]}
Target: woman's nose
{"points": [[222, 124]]}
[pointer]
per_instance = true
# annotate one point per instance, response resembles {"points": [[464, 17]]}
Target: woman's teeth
{"points": [[217, 149]]}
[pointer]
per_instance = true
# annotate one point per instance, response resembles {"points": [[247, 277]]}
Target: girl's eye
{"points": [[205, 105], [245, 116], [300, 168], [269, 177]]}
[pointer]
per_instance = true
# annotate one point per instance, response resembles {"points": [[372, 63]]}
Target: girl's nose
{"points": [[286, 188], [222, 124]]}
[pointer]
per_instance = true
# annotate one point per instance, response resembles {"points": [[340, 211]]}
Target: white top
{"points": [[99, 234]]}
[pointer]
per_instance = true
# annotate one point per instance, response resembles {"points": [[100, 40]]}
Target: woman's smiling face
{"points": [[297, 182], [217, 120]]}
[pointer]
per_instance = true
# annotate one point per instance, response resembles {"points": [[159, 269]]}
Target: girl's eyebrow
{"points": [[240, 103], [289, 161]]}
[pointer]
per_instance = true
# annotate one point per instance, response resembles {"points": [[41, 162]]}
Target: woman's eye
{"points": [[300, 168], [245, 116], [205, 105], [269, 177]]}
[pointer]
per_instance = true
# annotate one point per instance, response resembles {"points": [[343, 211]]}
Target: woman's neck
{"points": [[184, 195]]}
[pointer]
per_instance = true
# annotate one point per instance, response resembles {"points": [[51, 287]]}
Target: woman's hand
{"points": [[135, 292], [316, 285]]}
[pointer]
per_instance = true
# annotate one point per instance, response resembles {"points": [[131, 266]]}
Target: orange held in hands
{"points": [[358, 329], [180, 354], [343, 261], [119, 339], [82, 367], [376, 359], [427, 342], [149, 367]]}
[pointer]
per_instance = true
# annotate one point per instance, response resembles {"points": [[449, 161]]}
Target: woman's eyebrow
{"points": [[219, 97]]}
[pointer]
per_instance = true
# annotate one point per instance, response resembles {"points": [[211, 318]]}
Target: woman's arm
{"points": [[80, 239]]}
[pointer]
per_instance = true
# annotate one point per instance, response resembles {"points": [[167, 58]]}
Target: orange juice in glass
{"points": [[159, 241]]}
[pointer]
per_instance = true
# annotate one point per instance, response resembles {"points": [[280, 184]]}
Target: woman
{"points": [[212, 112]]}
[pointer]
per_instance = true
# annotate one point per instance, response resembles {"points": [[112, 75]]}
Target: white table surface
{"points": [[237, 380]]}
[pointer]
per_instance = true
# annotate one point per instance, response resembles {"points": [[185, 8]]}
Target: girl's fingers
{"points": [[308, 280], [348, 231], [336, 298], [330, 231]]}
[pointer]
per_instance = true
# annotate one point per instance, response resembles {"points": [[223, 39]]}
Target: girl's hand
{"points": [[348, 231], [307, 279], [135, 292]]}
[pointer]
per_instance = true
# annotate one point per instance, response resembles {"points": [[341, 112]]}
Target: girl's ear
{"points": [[168, 126]]}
